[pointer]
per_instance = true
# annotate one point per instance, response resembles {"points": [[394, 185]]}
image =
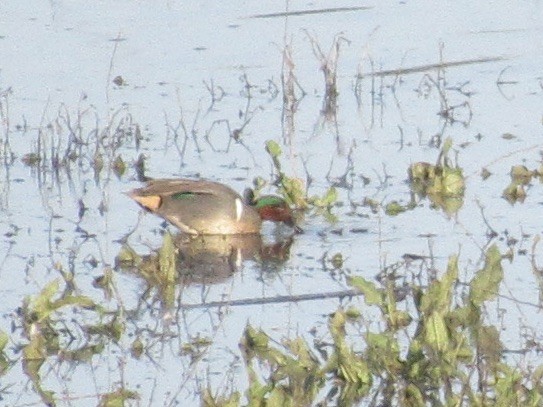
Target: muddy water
{"points": [[178, 81]]}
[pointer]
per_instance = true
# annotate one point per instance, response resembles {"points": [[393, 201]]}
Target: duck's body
{"points": [[201, 207]]}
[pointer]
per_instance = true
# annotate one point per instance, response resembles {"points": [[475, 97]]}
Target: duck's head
{"points": [[272, 208]]}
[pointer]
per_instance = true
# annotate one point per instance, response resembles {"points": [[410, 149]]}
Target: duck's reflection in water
{"points": [[206, 259]]}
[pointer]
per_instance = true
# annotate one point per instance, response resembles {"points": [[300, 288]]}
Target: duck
{"points": [[203, 207]]}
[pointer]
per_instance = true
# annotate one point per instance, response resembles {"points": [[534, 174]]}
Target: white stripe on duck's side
{"points": [[239, 209]]}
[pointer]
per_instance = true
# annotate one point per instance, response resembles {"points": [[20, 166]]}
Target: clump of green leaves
{"points": [[294, 189], [211, 400], [48, 335], [520, 178], [159, 269], [117, 398], [443, 183], [452, 357], [394, 208], [350, 368], [449, 337], [296, 375]]}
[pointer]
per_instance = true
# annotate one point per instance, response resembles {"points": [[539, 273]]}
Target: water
{"points": [[192, 76]]}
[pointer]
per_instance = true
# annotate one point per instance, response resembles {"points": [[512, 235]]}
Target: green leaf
{"points": [[383, 352], [255, 340], [137, 348], [521, 174], [273, 148], [278, 398], [436, 334], [36, 349], [337, 261], [79, 300], [41, 304], [485, 284], [119, 166], [117, 398], [489, 345], [127, 256], [337, 326], [447, 145], [294, 191], [452, 182], [506, 384], [394, 208], [331, 196], [353, 313], [3, 340], [208, 400], [327, 200], [399, 319], [372, 295], [438, 297], [413, 396], [166, 260]]}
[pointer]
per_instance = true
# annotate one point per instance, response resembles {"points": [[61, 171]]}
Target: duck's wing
{"points": [[168, 187], [151, 195]]}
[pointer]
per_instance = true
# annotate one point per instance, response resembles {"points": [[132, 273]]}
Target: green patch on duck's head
{"points": [[269, 201]]}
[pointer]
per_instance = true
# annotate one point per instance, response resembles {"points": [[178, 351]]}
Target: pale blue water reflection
{"points": [[58, 63]]}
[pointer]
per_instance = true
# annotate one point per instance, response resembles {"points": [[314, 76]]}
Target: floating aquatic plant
{"points": [[443, 183]]}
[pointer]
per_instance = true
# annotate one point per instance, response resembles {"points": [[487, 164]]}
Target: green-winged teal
{"points": [[201, 207]]}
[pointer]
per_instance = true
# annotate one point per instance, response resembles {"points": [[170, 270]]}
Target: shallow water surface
{"points": [[195, 89]]}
